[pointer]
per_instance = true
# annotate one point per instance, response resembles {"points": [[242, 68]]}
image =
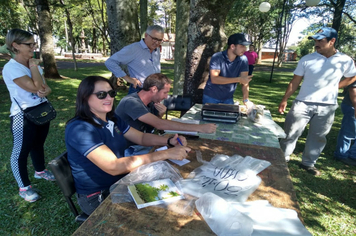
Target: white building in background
{"points": [[167, 47]]}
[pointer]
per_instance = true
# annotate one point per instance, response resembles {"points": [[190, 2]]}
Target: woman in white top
{"points": [[24, 80]]}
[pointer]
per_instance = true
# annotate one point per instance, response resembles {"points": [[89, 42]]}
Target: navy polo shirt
{"points": [[81, 138], [229, 69]]}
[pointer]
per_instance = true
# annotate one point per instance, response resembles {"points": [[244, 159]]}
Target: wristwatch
{"points": [[246, 100], [169, 142]]}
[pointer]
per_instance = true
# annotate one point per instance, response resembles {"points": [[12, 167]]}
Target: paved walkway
{"points": [[70, 64]]}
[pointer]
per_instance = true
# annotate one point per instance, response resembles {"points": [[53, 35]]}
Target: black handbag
{"points": [[40, 114]]}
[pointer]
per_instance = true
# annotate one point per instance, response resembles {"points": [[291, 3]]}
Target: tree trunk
{"points": [[205, 37], [95, 39], [123, 28], [71, 38], [45, 32], [123, 23], [338, 17], [260, 46], [286, 29], [180, 46], [143, 17], [104, 47]]}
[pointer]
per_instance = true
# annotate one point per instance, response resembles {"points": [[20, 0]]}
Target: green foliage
{"points": [[305, 47], [12, 16], [324, 12], [152, 16], [173, 194], [347, 39], [163, 187], [245, 17], [147, 193], [162, 13]]}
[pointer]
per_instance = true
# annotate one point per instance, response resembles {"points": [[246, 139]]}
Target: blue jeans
{"points": [[134, 90], [89, 202], [347, 134], [207, 99], [250, 69]]}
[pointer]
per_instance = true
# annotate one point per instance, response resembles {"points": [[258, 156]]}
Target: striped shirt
{"points": [[139, 60]]}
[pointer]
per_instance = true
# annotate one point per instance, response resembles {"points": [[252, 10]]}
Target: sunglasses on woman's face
{"points": [[103, 94]]}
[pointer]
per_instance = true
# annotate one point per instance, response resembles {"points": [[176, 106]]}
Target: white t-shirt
{"points": [[322, 76], [13, 70]]}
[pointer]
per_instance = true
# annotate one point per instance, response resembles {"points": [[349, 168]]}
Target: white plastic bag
{"points": [[222, 218], [232, 178]]}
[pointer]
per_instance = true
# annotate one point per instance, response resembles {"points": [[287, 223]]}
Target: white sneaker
{"points": [[287, 158]]}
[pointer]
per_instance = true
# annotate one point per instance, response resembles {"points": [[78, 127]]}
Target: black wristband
{"points": [[168, 142]]}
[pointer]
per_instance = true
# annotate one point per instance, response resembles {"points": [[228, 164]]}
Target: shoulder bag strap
{"points": [[17, 103]]}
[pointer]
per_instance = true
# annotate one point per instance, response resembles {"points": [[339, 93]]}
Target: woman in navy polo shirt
{"points": [[96, 140]]}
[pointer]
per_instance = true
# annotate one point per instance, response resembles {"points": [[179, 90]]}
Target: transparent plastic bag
{"points": [[255, 113], [153, 171], [222, 218], [232, 178]]}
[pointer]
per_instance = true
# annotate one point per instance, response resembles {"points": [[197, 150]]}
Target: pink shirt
{"points": [[251, 57]]}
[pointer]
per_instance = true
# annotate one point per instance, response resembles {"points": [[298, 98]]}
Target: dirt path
{"points": [[70, 65]]}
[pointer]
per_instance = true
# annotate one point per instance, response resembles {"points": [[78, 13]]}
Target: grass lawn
{"points": [[327, 202]]}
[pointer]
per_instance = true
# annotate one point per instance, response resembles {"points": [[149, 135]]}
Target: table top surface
{"points": [[126, 219], [264, 133]]}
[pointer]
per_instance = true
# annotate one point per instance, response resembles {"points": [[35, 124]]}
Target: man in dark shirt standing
{"points": [[227, 68]]}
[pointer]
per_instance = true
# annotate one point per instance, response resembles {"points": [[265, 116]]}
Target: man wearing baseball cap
{"points": [[227, 68], [316, 102]]}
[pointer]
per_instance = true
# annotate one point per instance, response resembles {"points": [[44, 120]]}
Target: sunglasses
{"points": [[103, 94]]}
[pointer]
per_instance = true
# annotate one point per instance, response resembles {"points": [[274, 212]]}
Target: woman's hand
{"points": [[45, 91], [33, 62], [178, 152]]}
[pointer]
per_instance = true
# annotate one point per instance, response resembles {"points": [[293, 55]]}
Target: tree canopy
{"points": [[268, 28]]}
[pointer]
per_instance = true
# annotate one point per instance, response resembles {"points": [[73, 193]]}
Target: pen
{"points": [[180, 142]]}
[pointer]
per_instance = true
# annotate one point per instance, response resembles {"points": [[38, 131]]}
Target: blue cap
{"points": [[326, 32]]}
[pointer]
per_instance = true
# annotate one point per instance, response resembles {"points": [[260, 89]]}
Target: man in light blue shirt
{"points": [[142, 59]]}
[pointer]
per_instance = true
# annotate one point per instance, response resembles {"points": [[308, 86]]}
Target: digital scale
{"points": [[225, 113]]}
